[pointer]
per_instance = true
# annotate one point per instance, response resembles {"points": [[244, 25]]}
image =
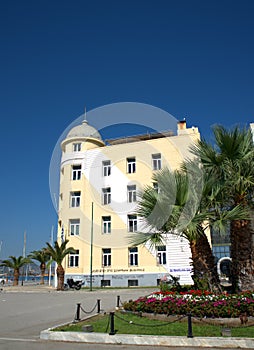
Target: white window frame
{"points": [[162, 255], [106, 224], [76, 172], [77, 147], [106, 195], [131, 165], [156, 161], [74, 259], [131, 193], [133, 256], [106, 168], [132, 223], [74, 227], [106, 257], [75, 199]]}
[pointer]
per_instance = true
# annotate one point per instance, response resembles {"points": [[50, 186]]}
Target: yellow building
{"points": [[99, 183]]}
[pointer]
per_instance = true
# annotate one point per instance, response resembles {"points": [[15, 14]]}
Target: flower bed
{"points": [[198, 303]]}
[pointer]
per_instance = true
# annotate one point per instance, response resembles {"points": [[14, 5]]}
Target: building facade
{"points": [[100, 182]]}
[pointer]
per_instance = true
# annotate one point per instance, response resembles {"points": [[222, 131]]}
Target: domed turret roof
{"points": [[84, 130]]}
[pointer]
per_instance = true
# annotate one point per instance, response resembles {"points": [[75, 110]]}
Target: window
{"points": [[105, 283], [106, 224], [131, 193], [132, 283], [131, 165], [133, 256], [132, 223], [74, 227], [161, 255], [221, 243], [75, 199], [156, 160], [77, 147], [74, 259], [76, 172], [106, 257], [106, 168], [221, 251], [106, 195]]}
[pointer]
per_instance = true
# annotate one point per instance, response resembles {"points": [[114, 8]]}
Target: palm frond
{"points": [[222, 219], [15, 262], [59, 252], [152, 239]]}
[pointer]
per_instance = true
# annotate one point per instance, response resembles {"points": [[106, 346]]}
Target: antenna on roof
{"points": [[85, 120]]}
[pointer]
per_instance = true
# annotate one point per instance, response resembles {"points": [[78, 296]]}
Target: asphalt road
{"points": [[25, 311]]}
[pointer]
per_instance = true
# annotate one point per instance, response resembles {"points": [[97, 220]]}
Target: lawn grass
{"points": [[133, 324]]}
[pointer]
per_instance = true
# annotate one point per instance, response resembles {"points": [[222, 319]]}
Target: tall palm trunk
{"points": [[242, 254], [60, 277], [204, 268], [16, 277], [43, 268]]}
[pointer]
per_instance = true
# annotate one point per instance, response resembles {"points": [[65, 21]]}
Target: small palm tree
{"points": [[43, 257], [58, 253], [15, 263]]}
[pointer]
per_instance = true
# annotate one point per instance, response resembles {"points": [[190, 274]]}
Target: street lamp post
{"points": [[91, 252]]}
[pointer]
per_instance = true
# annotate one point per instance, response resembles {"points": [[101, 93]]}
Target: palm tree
{"points": [[174, 209], [181, 207], [231, 161], [43, 257], [15, 263], [58, 253]]}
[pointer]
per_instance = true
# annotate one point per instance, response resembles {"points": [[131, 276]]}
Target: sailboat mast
{"points": [[24, 246]]}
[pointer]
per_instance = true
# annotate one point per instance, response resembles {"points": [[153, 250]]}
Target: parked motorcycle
{"points": [[71, 284]]}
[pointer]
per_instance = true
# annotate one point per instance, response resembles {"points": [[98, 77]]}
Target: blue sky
{"points": [[193, 59]]}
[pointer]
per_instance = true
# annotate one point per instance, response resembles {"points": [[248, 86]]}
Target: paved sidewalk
{"points": [[31, 287]]}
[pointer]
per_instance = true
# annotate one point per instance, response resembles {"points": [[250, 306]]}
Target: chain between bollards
{"points": [[79, 308], [190, 335]]}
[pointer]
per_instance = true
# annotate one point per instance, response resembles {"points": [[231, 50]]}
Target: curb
{"points": [[130, 339]]}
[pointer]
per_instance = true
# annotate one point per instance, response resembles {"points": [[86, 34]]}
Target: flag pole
{"points": [[24, 255]]}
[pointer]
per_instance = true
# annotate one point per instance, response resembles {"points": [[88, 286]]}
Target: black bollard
{"points": [[98, 306], [77, 317], [118, 301], [112, 323], [189, 327]]}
